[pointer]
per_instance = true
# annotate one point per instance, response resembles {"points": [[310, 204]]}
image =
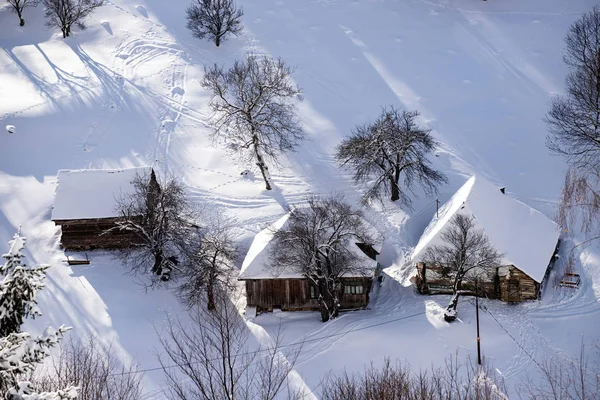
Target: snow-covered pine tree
{"points": [[19, 352], [18, 288]]}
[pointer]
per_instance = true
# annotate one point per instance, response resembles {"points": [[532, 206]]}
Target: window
{"points": [[353, 288], [312, 292]]}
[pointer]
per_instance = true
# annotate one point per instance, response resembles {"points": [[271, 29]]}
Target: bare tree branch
{"points": [[162, 222], [64, 14], [214, 19], [18, 6], [210, 268], [467, 253], [391, 148], [95, 369], [211, 357], [253, 101], [317, 243]]}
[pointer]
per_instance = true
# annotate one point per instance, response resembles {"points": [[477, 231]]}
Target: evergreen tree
{"points": [[19, 352]]}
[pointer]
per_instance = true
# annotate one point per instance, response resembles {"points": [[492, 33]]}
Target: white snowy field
{"points": [[126, 93]]}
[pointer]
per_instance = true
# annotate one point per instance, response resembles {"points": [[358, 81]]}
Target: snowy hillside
{"points": [[126, 93]]}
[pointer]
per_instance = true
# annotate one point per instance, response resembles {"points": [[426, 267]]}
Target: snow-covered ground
{"points": [[125, 93]]}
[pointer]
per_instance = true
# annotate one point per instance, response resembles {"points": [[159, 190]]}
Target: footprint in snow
{"points": [[142, 10]]}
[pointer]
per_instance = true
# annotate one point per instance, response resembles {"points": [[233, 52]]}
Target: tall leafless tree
{"points": [[163, 226], [213, 358], [94, 368], [566, 378], [18, 6], [391, 148], [214, 19], [574, 126], [254, 104], [466, 253], [64, 14], [210, 269], [574, 119], [319, 242]]}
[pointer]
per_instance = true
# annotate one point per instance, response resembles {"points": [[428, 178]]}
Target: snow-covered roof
{"points": [[526, 237], [256, 265], [92, 193]]}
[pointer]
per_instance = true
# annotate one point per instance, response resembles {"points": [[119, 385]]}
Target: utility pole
{"points": [[477, 319]]}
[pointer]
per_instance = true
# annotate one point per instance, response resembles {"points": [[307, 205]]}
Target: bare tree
{"points": [[455, 380], [18, 6], [319, 242], [162, 223], [580, 202], [64, 14], [254, 104], [212, 358], [391, 148], [214, 19], [210, 269], [574, 119], [95, 369], [467, 254], [574, 126], [576, 378]]}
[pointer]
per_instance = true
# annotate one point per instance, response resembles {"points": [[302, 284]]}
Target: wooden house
{"points": [[288, 290], [527, 240], [85, 206]]}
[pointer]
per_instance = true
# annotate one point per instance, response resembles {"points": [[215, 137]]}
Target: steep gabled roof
{"points": [[92, 193], [257, 265], [525, 237]]}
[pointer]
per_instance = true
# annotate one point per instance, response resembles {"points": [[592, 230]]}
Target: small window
{"points": [[353, 288], [312, 292]]}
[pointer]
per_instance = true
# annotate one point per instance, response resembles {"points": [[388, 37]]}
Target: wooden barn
{"points": [[85, 205], [289, 290], [527, 240]]}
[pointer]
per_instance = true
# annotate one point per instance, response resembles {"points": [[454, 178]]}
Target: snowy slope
{"points": [[125, 93]]}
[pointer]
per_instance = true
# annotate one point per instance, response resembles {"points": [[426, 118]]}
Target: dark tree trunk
{"points": [[395, 189], [158, 260], [395, 179], [218, 40], [264, 170], [22, 21], [210, 295]]}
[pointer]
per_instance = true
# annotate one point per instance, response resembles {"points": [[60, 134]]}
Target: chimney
{"points": [[502, 189]]}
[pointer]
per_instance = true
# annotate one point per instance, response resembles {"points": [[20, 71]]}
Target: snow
{"points": [[125, 93], [15, 246], [257, 265], [92, 193], [525, 237]]}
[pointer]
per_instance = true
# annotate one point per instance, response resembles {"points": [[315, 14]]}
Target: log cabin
{"points": [[526, 238], [288, 290], [85, 206]]}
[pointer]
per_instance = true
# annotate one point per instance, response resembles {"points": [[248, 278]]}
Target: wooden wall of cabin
{"points": [[517, 286], [85, 234], [512, 286], [294, 294]]}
